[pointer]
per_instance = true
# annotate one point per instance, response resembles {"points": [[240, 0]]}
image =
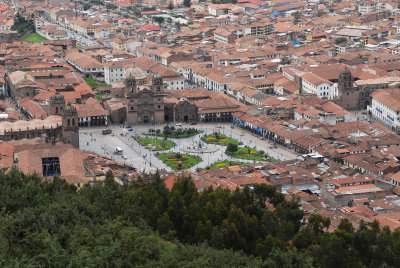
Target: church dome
{"points": [[135, 73]]}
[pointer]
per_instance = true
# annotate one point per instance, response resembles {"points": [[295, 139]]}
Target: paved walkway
{"points": [[91, 139]]}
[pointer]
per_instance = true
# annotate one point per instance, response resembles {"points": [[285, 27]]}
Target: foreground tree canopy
{"points": [[50, 224]]}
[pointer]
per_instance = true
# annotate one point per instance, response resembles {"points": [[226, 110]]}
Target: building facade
{"points": [[144, 103]]}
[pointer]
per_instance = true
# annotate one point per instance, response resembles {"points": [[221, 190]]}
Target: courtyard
{"points": [[142, 156]]}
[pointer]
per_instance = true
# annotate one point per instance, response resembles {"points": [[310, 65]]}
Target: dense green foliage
{"points": [[340, 40], [50, 224], [174, 133], [23, 26], [159, 20], [224, 1]]}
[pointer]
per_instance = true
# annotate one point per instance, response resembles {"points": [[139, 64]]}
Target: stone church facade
{"points": [[144, 102], [350, 96]]}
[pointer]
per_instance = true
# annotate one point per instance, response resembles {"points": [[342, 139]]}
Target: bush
{"points": [[340, 40], [231, 148]]}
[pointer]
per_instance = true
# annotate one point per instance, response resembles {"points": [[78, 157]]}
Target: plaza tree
{"points": [[159, 20], [232, 147]]}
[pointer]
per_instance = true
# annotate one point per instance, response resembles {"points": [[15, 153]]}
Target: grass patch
{"points": [[94, 84], [218, 138], [99, 96], [178, 161], [252, 154], [79, 47], [155, 144], [220, 164], [34, 38]]}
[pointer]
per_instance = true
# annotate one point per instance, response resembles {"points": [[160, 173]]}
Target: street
{"points": [[72, 35]]}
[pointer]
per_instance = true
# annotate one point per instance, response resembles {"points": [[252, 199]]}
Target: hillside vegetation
{"points": [[50, 224]]}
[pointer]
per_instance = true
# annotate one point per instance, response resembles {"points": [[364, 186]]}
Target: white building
{"points": [[115, 69], [175, 83], [367, 7], [385, 108], [316, 85], [218, 83]]}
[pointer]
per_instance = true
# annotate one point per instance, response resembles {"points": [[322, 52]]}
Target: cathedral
{"points": [[145, 100], [145, 103]]}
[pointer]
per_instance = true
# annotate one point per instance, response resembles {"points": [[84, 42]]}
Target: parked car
{"points": [[124, 157], [193, 123]]}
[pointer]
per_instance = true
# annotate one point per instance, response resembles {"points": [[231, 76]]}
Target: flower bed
{"points": [[218, 138], [179, 161], [155, 144], [251, 154], [225, 164]]}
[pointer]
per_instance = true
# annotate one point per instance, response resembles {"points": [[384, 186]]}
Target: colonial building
{"points": [[144, 103], [182, 110], [22, 85], [52, 129], [145, 100], [356, 95]]}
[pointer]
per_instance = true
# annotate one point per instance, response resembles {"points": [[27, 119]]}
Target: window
{"points": [[51, 166], [68, 122], [159, 106], [73, 121]]}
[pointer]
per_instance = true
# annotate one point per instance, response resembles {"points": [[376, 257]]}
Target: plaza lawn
{"points": [[218, 138], [155, 144], [172, 160], [94, 84], [251, 154], [34, 38], [225, 164]]}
